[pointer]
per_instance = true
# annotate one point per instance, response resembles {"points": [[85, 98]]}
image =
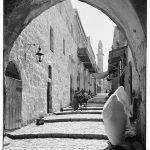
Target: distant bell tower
{"points": [[100, 56]]}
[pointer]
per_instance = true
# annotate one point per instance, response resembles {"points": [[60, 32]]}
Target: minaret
{"points": [[100, 56]]}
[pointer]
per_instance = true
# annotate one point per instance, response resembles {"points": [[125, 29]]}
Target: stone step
{"points": [[97, 99], [97, 102], [55, 144], [79, 112], [88, 108], [92, 104], [87, 130], [73, 120], [58, 135]]}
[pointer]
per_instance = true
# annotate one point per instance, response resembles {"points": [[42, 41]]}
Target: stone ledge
{"points": [[58, 135], [88, 108], [72, 120], [78, 112]]}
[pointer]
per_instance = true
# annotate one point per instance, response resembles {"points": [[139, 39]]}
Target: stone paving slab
{"points": [[63, 127], [97, 99], [92, 104], [74, 116], [62, 135], [55, 144]]}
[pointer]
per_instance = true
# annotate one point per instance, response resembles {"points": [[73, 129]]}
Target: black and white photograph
{"points": [[74, 75]]}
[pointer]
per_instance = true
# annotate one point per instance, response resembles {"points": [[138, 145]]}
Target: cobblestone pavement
{"points": [[55, 144], [82, 127], [92, 104], [63, 127]]}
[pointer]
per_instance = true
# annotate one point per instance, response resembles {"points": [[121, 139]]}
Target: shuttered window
{"points": [[51, 39]]}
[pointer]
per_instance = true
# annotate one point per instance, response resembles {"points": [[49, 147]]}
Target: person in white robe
{"points": [[116, 114]]}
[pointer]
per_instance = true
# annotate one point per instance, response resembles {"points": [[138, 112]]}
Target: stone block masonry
{"points": [[34, 75]]}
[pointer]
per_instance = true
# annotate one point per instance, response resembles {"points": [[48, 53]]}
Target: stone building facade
{"points": [[123, 69], [86, 58], [120, 42], [46, 86]]}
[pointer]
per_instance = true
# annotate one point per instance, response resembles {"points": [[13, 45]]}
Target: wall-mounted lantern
{"points": [[39, 55]]}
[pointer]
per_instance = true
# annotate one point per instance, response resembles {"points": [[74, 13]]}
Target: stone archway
{"points": [[121, 12], [129, 15], [12, 97]]}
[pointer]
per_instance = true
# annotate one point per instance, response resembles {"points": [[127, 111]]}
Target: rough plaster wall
{"points": [[143, 95], [35, 75], [135, 77], [143, 105]]}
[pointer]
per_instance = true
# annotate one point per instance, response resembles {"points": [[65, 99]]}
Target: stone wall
{"points": [[135, 76], [138, 80], [120, 38], [34, 74]]}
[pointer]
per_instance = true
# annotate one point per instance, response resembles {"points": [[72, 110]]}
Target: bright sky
{"points": [[96, 25]]}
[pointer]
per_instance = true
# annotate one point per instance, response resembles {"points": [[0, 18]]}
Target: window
{"points": [[71, 30], [64, 46], [78, 80], [50, 72], [51, 39]]}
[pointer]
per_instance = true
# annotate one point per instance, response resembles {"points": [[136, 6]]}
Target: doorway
{"points": [[49, 97], [12, 98], [71, 89], [49, 90]]}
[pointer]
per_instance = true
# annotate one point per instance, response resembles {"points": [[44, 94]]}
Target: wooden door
{"points": [[12, 103], [49, 97], [71, 89]]}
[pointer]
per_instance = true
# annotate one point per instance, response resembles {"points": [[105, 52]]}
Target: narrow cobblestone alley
{"points": [[61, 55], [81, 130]]}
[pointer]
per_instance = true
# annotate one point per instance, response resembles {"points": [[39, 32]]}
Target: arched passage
{"points": [[13, 97], [121, 12], [130, 18]]}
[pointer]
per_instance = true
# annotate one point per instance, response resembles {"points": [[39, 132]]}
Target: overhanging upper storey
{"points": [[118, 54], [85, 58]]}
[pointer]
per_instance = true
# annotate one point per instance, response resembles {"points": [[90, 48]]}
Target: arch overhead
{"points": [[121, 12]]}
